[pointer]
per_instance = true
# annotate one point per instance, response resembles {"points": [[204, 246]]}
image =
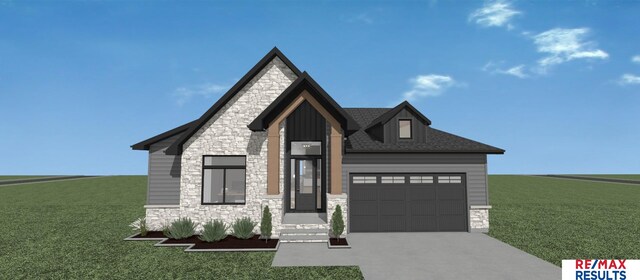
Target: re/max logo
{"points": [[600, 270], [601, 264]]}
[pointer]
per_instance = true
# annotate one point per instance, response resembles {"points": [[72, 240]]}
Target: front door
{"points": [[306, 184]]}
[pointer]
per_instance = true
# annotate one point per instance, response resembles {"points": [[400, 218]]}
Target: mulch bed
{"points": [[338, 242], [231, 242], [151, 234], [190, 240]]}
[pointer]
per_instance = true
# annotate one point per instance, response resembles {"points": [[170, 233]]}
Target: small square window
{"points": [[404, 129]]}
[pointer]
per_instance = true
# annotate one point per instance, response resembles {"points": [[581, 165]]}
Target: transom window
{"points": [[421, 179], [223, 179], [404, 129], [364, 179], [299, 148], [392, 179], [449, 179]]}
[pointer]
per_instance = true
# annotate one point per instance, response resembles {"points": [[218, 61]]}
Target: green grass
{"points": [[557, 219], [74, 230], [7, 177], [613, 176]]}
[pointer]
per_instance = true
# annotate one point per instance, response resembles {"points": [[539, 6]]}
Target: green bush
{"points": [[337, 223], [265, 224], [243, 228], [214, 231], [181, 229], [140, 226]]}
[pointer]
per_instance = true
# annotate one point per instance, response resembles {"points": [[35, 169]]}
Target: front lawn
{"points": [[635, 177], [74, 230], [558, 219], [19, 177]]}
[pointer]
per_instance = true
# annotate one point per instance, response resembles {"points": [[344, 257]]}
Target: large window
{"points": [[404, 129], [223, 179]]}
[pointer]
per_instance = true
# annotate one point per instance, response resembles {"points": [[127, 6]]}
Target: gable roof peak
{"points": [[304, 82], [176, 147], [384, 118]]}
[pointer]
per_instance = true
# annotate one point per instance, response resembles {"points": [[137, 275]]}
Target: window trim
{"points": [[410, 129], [224, 180]]}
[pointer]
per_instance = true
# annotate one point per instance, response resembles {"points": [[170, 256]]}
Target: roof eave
{"points": [[499, 152], [146, 144]]}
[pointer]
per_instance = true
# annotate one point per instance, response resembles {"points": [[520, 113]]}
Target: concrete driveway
{"points": [[422, 256]]}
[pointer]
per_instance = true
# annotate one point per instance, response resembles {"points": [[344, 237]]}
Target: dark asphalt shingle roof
{"points": [[437, 141]]}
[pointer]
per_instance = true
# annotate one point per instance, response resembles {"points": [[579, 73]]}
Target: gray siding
{"points": [[412, 158], [476, 175], [164, 175], [418, 129]]}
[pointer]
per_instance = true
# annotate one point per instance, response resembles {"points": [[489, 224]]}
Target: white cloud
{"points": [[494, 13], [208, 90], [629, 79], [428, 85], [517, 71], [364, 18], [495, 68], [636, 59], [563, 45]]}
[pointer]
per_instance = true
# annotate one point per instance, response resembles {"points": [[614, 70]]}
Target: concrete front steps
{"points": [[304, 235]]}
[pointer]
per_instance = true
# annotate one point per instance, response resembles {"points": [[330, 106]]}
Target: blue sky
{"points": [[555, 83]]}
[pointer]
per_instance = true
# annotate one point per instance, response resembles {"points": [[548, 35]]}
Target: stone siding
{"points": [[332, 201], [479, 220], [226, 133]]}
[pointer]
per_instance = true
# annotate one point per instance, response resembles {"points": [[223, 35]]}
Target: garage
{"points": [[407, 202]]}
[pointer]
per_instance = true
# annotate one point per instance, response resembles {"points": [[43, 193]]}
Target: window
{"points": [[223, 179], [404, 129], [449, 179], [306, 148], [364, 179], [421, 179], [392, 179]]}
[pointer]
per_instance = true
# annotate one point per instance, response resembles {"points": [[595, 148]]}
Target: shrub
{"points": [[140, 225], [181, 229], [165, 230], [265, 224], [243, 228], [214, 231], [337, 223]]}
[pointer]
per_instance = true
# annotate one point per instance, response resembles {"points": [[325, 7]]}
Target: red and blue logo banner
{"points": [[600, 269]]}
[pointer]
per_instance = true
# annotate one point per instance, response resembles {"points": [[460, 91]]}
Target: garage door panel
{"points": [[393, 193], [422, 192], [360, 193], [452, 223], [422, 208], [408, 206], [364, 223], [451, 207], [393, 208], [451, 192], [392, 223], [424, 223], [364, 208]]}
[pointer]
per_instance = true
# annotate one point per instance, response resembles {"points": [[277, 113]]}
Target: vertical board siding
{"points": [[305, 124], [418, 129], [164, 175], [475, 175]]}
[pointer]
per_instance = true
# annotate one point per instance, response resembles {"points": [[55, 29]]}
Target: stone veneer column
{"points": [[479, 218]]}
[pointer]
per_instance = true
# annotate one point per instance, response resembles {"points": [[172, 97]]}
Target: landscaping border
{"points": [[191, 245]]}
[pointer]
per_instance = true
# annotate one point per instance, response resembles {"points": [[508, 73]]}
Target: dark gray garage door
{"points": [[407, 202]]}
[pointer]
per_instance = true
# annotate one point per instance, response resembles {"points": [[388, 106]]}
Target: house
{"points": [[277, 138]]}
